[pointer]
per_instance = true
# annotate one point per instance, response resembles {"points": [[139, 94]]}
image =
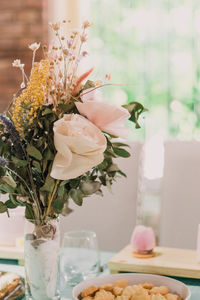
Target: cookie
{"points": [[121, 283], [89, 291], [163, 290]]}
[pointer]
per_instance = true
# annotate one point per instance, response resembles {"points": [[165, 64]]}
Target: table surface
{"points": [[11, 266]]}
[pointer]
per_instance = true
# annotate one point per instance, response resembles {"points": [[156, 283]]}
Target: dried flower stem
{"points": [[79, 52], [100, 86], [51, 198], [16, 174]]}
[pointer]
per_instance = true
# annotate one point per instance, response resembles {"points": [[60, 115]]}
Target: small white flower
{"points": [[17, 64], [55, 26], [34, 46], [22, 85]]}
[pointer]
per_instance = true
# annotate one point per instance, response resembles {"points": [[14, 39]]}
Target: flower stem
{"points": [[52, 197]]}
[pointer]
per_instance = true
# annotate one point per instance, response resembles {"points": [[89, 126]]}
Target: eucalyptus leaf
{"points": [[66, 210], [121, 173], [34, 152], [36, 164], [6, 188], [113, 168], [10, 204], [74, 183], [77, 196], [61, 191], [90, 187], [2, 171], [135, 109], [47, 111], [19, 162], [89, 84], [9, 181], [3, 207], [58, 204], [49, 185], [121, 152], [64, 182], [117, 144], [29, 214]]}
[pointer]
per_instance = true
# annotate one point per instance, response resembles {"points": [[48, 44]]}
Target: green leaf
{"points": [[58, 204], [113, 168], [90, 187], [29, 214], [116, 145], [34, 152], [77, 196], [6, 188], [74, 183], [48, 155], [135, 109], [65, 107], [36, 164], [46, 111], [49, 185], [19, 162], [10, 204], [9, 181], [64, 182], [3, 207], [2, 171], [121, 173], [121, 152], [22, 190], [61, 191], [89, 84]]}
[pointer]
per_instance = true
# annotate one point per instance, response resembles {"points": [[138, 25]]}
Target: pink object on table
{"points": [[143, 239]]}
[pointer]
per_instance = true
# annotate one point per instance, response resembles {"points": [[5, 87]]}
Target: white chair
{"points": [[180, 207], [112, 217]]}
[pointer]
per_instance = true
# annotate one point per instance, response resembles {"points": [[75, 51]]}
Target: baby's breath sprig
{"points": [[34, 47], [17, 64]]}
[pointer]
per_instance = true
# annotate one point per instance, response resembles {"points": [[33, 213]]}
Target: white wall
{"points": [[112, 217], [180, 211]]}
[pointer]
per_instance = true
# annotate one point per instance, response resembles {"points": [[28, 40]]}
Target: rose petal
{"points": [[107, 117], [80, 145], [91, 94]]}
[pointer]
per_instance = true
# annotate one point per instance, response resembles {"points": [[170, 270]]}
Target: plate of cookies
{"points": [[11, 286], [131, 286]]}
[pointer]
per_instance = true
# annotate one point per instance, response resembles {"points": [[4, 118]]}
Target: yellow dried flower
{"points": [[27, 103]]}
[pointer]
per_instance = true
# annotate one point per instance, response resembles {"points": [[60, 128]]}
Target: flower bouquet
{"points": [[57, 143]]}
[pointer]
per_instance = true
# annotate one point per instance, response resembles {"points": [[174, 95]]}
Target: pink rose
{"points": [[143, 239], [109, 118], [80, 145]]}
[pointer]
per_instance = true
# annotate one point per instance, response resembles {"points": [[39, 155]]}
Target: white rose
{"points": [[80, 145]]}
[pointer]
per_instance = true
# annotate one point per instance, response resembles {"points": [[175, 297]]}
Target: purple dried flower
{"points": [[3, 162], [13, 133]]}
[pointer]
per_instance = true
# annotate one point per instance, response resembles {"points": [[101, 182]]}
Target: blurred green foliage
{"points": [[152, 47]]}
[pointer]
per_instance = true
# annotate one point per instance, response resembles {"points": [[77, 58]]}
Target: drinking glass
{"points": [[79, 257]]}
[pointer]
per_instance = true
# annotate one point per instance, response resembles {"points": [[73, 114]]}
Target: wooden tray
{"points": [[9, 252], [167, 261]]}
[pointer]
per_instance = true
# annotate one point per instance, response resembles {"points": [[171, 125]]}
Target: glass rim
{"points": [[70, 234]]}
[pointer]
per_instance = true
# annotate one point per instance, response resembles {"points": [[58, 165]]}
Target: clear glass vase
{"points": [[41, 251]]}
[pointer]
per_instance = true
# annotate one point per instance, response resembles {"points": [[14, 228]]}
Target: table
{"points": [[11, 266]]}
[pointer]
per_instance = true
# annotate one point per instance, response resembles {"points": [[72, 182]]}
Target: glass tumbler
{"points": [[79, 257]]}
